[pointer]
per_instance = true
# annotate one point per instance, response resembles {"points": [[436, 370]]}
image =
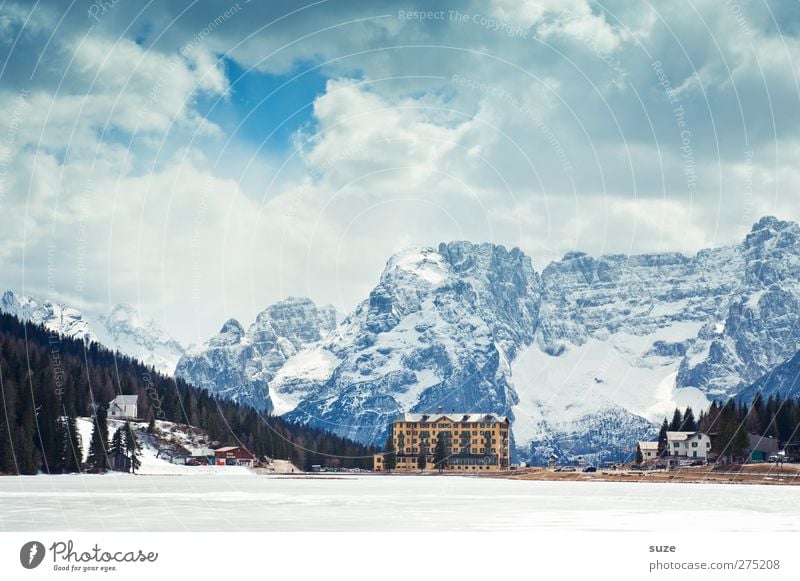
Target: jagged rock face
{"points": [[585, 358], [144, 340], [760, 327], [122, 330], [239, 365], [783, 381], [438, 331], [58, 318]]}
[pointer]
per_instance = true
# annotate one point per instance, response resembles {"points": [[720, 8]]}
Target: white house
{"points": [[688, 445], [649, 451], [124, 407]]}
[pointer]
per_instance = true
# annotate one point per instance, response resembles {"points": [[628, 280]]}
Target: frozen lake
{"points": [[384, 503]]}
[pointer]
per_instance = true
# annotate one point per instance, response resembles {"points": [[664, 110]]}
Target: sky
{"points": [[202, 160]]}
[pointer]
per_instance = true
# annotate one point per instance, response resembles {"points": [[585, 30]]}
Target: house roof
{"points": [[125, 399], [648, 446], [232, 448], [453, 417], [681, 436]]}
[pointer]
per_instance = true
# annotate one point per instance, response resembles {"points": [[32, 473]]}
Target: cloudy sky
{"points": [[202, 160]]}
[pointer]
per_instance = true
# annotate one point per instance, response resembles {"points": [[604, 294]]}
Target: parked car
{"points": [[697, 463], [590, 469], [569, 469], [636, 467]]}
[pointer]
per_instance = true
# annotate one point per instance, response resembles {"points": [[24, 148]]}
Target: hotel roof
{"points": [[453, 417]]}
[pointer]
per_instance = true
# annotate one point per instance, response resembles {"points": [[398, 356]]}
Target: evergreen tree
{"points": [[422, 460], [440, 453], [739, 443], [116, 452], [97, 460], [151, 427], [662, 439], [73, 450], [132, 448], [677, 421], [389, 455], [689, 423], [639, 455], [37, 395], [28, 458], [7, 462]]}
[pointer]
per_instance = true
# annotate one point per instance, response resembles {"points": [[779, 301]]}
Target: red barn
{"points": [[233, 456]]}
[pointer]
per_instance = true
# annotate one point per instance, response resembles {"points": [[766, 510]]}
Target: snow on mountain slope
{"points": [[782, 381], [584, 357], [437, 331], [122, 330], [153, 459], [759, 322], [239, 364], [564, 398], [58, 318]]}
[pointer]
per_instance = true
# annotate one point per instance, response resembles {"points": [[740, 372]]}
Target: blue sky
{"points": [[135, 140]]}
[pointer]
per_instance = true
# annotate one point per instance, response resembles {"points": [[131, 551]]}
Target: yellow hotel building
{"points": [[474, 442]]}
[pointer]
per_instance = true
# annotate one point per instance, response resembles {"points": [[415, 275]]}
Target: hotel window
{"points": [[676, 445], [694, 444]]}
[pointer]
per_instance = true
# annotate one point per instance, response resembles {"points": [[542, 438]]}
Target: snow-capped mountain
{"points": [[759, 326], [122, 329], [240, 364], [783, 381], [144, 340], [58, 318], [438, 331], [585, 357]]}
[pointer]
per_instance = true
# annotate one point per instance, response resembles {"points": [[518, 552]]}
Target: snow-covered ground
{"points": [[385, 503], [152, 462]]}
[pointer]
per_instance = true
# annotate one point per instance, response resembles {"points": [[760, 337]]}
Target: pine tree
{"points": [[662, 439], [116, 452], [689, 424], [132, 448], [677, 421], [739, 443], [7, 463], [639, 455], [28, 460], [422, 460], [151, 427], [389, 455], [73, 450], [97, 460]]}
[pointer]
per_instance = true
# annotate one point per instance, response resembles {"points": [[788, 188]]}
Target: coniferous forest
{"points": [[731, 421], [47, 381]]}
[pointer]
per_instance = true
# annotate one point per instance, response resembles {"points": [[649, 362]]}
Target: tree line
{"points": [[731, 421], [47, 381]]}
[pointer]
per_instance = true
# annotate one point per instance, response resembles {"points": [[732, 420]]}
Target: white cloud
{"points": [[560, 141]]}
